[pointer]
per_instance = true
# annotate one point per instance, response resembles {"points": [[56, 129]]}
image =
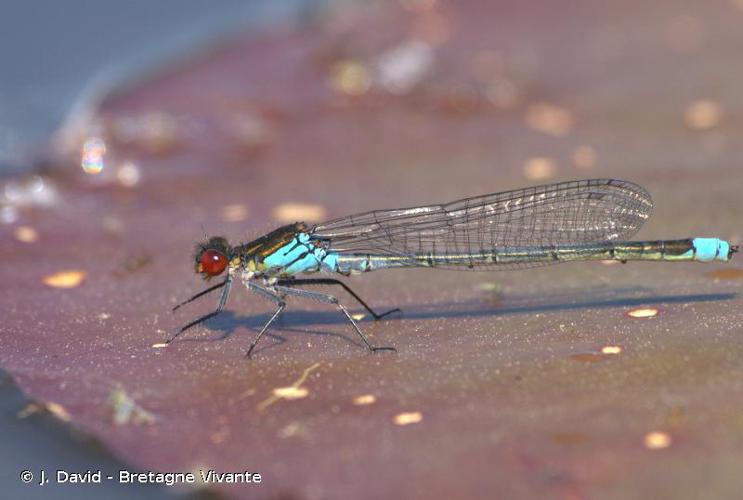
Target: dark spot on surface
{"points": [[726, 274], [588, 357]]}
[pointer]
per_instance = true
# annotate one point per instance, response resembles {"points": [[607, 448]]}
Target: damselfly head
{"points": [[212, 257]]}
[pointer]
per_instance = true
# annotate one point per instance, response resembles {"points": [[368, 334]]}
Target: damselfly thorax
{"points": [[536, 226]]}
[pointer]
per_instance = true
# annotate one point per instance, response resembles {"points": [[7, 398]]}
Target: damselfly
{"points": [[535, 226]]}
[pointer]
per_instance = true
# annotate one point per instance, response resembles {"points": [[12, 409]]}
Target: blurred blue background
{"points": [[55, 54]]}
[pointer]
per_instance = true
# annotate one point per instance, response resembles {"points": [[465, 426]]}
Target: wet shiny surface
{"points": [[503, 382]]}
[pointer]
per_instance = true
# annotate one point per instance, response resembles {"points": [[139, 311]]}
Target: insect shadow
{"points": [[595, 298]]}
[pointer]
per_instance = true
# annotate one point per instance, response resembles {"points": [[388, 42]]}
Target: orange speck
{"points": [[293, 212], [703, 114], [294, 391], [26, 234], [65, 279], [727, 274], [235, 212], [587, 357], [657, 440], [550, 119], [648, 312], [350, 78], [611, 349], [364, 399], [408, 418], [539, 168], [584, 157], [58, 411], [291, 392]]}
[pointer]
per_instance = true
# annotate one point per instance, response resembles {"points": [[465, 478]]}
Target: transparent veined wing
{"points": [[557, 214]]}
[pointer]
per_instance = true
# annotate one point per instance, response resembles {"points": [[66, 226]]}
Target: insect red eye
{"points": [[213, 262]]}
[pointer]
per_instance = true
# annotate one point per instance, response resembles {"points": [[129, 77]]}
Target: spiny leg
{"points": [[329, 281], [282, 305], [227, 284], [329, 299], [266, 294]]}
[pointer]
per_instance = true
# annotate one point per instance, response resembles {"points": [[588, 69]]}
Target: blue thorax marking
{"points": [[330, 262], [300, 255]]}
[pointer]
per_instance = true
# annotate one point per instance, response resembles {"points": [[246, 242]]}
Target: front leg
{"points": [[227, 284]]}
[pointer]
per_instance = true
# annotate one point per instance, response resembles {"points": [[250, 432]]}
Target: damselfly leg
{"points": [[291, 282], [200, 294], [227, 284], [266, 294], [329, 299], [278, 298]]}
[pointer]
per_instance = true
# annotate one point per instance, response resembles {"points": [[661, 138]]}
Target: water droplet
{"points": [[93, 155]]}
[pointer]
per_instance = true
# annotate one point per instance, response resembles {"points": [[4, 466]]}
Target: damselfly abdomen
{"points": [[535, 226]]}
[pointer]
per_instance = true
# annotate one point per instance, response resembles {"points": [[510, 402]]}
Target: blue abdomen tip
{"points": [[709, 249]]}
